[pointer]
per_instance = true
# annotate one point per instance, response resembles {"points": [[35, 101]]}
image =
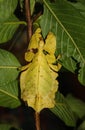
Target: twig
{"points": [[37, 120], [36, 16], [28, 17]]}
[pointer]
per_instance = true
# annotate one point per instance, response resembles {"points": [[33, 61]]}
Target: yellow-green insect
{"points": [[38, 79]]}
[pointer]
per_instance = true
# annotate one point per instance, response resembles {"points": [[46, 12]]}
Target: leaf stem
{"points": [[28, 17], [37, 121]]}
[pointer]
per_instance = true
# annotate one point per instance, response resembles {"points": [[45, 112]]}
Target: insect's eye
{"points": [[45, 52], [34, 50]]}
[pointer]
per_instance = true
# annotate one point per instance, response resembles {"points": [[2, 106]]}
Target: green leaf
{"points": [[7, 127], [8, 80], [68, 25], [8, 28], [82, 126], [80, 6], [8, 67], [7, 8], [8, 23], [9, 94], [32, 4], [21, 4], [77, 106], [63, 110]]}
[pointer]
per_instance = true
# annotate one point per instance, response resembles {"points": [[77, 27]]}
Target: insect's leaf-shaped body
{"points": [[38, 82]]}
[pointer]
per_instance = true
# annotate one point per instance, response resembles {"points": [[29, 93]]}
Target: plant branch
{"points": [[28, 18], [36, 16], [37, 120]]}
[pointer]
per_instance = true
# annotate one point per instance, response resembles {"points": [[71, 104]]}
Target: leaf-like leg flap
{"points": [[29, 56], [50, 58], [55, 68], [22, 68], [50, 43], [33, 45]]}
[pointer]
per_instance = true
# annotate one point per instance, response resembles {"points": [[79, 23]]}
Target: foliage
{"points": [[82, 126], [7, 127], [67, 23], [8, 21], [76, 105], [61, 17], [63, 111], [8, 79]]}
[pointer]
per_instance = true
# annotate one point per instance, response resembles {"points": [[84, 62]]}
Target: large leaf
{"points": [[63, 110], [32, 4], [8, 28], [8, 80], [7, 8], [77, 106], [9, 94], [80, 6], [68, 25], [7, 127], [8, 21], [82, 126]]}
